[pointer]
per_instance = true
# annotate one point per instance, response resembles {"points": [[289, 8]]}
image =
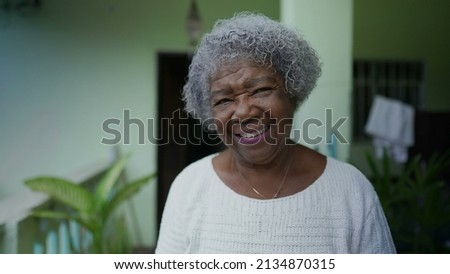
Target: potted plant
{"points": [[416, 202], [93, 210]]}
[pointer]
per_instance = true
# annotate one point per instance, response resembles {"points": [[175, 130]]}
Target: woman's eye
{"points": [[262, 90], [222, 102]]}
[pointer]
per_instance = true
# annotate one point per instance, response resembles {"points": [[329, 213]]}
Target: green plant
{"points": [[93, 210], [415, 202]]}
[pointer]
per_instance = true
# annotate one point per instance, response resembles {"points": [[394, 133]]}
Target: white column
{"points": [[327, 25]]}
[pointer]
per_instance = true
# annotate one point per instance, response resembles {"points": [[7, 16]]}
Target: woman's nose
{"points": [[244, 109]]}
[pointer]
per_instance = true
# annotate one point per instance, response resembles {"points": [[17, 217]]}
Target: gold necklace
{"points": [[279, 187]]}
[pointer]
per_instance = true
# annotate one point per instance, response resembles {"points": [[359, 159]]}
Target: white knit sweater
{"points": [[339, 213]]}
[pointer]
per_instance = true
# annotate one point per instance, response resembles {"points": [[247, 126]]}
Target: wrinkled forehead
{"points": [[231, 66]]}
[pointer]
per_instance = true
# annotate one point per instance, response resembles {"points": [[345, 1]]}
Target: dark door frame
{"points": [[178, 135]]}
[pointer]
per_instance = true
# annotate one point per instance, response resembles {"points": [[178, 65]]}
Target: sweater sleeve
{"points": [[171, 235], [184, 194], [375, 235], [177, 211]]}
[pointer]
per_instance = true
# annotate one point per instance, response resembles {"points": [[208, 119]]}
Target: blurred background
{"points": [[66, 66]]}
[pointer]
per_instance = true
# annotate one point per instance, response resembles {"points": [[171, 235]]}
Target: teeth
{"points": [[252, 135]]}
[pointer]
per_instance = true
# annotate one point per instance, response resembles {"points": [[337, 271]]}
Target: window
{"points": [[401, 80]]}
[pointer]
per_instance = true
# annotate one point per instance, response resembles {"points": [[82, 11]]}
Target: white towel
{"points": [[391, 125]]}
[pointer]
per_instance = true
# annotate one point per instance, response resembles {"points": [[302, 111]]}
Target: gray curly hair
{"points": [[252, 37]]}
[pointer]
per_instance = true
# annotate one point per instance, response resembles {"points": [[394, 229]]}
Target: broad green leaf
{"points": [[63, 216], [126, 192], [52, 215], [109, 180], [117, 237], [372, 165], [387, 178], [406, 176], [64, 191]]}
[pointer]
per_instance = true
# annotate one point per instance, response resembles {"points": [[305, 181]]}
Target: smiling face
{"points": [[252, 111]]}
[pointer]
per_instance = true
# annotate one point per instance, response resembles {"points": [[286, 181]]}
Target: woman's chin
{"points": [[259, 153]]}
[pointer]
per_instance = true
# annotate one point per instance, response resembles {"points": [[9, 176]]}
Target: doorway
{"points": [[181, 138]]}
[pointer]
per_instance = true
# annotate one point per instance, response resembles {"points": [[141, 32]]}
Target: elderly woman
{"points": [[264, 193]]}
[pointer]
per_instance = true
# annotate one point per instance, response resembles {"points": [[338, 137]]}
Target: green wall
{"points": [[73, 64], [411, 30]]}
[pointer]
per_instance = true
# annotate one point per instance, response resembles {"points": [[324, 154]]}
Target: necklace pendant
{"points": [[280, 187], [258, 193]]}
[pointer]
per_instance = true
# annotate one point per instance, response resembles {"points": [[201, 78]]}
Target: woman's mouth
{"points": [[254, 137]]}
